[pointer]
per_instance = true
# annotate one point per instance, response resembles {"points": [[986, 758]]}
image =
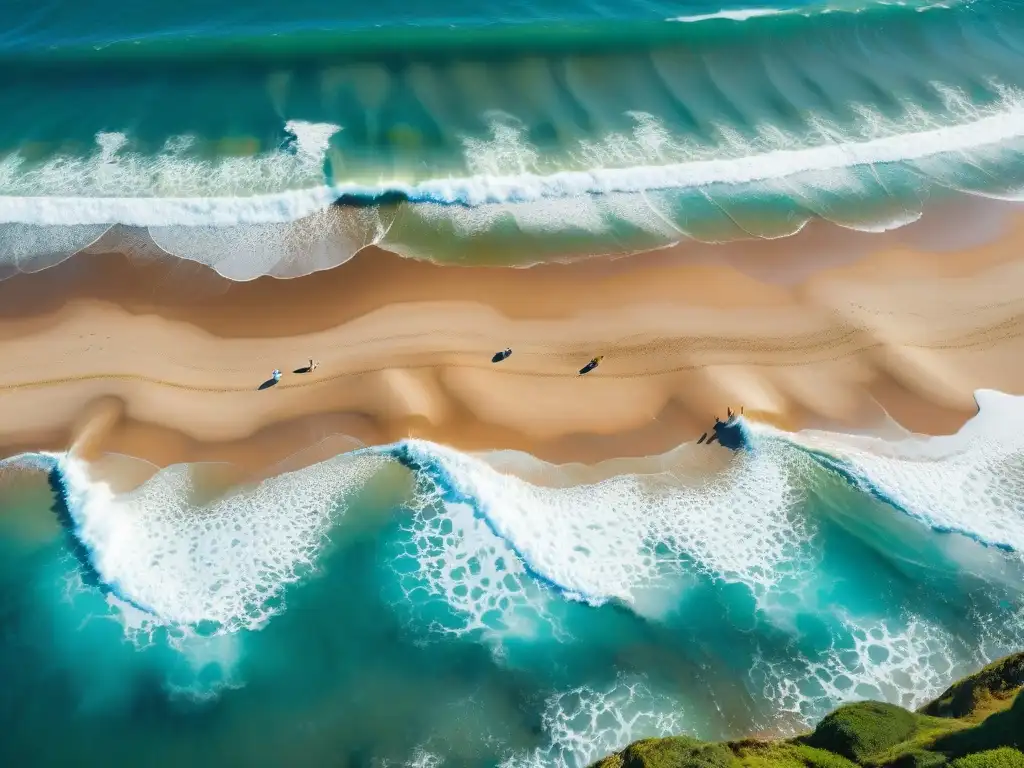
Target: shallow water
{"points": [[415, 605], [280, 139]]}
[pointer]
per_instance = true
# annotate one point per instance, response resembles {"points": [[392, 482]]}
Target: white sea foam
{"points": [[587, 723], [115, 170], [734, 15], [499, 551], [29, 248], [424, 759], [837, 6], [503, 176], [970, 483], [998, 634], [271, 212], [496, 548], [1001, 126], [40, 462], [905, 662], [226, 562], [614, 540], [453, 556], [322, 240]]}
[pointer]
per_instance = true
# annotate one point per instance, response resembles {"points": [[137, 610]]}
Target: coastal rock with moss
{"points": [[977, 723]]}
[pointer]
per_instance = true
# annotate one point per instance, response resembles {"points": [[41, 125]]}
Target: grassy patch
{"points": [[1005, 757], [1003, 729], [918, 751], [786, 755], [672, 752], [919, 758], [978, 695], [858, 731]]}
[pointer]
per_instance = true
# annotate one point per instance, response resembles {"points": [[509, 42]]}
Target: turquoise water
{"points": [[272, 138], [412, 605]]}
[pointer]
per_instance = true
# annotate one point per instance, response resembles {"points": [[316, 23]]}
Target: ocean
{"points": [[415, 605], [280, 139]]}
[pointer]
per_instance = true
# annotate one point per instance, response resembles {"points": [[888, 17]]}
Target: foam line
{"points": [[70, 485], [411, 455], [736, 15], [225, 563], [479, 190], [614, 539], [228, 561], [744, 14], [904, 661], [777, 164], [969, 483]]}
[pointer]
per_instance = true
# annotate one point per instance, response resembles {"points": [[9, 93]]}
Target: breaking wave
{"points": [[228, 560], [590, 147], [757, 549]]}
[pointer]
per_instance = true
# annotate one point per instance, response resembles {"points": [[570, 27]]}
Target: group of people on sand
{"points": [[498, 357], [505, 354]]}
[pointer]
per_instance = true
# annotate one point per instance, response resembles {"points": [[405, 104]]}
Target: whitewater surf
{"points": [[739, 124]]}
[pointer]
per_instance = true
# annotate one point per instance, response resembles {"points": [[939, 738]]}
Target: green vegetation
{"points": [[982, 692], [764, 754], [673, 752], [977, 723], [1003, 728], [677, 751], [1004, 757], [858, 731]]}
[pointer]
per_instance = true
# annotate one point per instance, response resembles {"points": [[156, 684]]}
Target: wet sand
{"points": [[164, 360]]}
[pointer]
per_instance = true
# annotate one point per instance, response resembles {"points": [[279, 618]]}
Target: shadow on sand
{"points": [[304, 369], [268, 383]]}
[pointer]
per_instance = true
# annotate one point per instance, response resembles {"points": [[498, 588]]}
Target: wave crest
{"points": [[222, 565], [496, 549], [591, 152]]}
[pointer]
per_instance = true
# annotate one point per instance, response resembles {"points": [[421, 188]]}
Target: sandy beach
{"points": [[163, 361]]}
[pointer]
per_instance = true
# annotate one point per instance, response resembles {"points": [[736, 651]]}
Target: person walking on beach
{"points": [[312, 364]]}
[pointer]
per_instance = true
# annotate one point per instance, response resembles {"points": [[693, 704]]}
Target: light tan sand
{"points": [[827, 329]]}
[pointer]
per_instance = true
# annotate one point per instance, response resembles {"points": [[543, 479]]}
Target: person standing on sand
{"points": [[312, 364]]}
